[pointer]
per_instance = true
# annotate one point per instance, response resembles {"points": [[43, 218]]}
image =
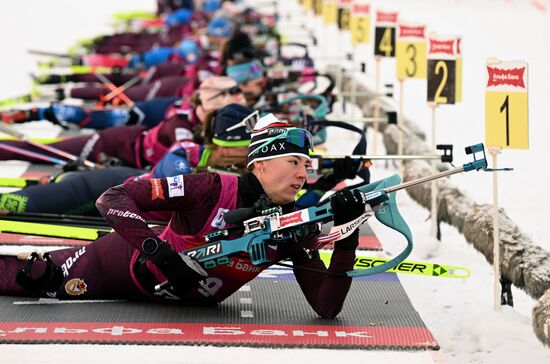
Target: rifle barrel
{"points": [[381, 157], [424, 179]]}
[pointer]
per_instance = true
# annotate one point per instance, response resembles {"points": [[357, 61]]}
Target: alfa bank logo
{"points": [[500, 77]]}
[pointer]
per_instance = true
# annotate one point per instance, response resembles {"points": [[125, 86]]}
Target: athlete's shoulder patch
{"points": [[156, 189], [183, 134], [175, 186], [76, 287]]}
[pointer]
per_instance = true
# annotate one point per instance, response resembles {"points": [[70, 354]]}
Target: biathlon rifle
{"points": [[273, 227]]}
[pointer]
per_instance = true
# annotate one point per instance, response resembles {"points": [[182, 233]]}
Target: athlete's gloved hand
{"points": [[346, 168], [183, 272], [346, 206]]}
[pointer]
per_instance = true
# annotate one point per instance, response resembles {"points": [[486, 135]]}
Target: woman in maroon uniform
{"points": [[129, 263]]}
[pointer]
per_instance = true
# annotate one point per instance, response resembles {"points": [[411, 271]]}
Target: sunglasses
{"points": [[248, 122], [298, 137], [231, 91]]}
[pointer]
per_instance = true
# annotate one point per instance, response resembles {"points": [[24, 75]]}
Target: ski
{"points": [[35, 240], [21, 182], [58, 231], [427, 269], [36, 140]]}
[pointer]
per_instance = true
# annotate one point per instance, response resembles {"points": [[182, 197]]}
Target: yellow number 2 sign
{"points": [[506, 105], [444, 72]]}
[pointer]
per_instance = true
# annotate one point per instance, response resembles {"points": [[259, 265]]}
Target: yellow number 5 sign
{"points": [[506, 105]]}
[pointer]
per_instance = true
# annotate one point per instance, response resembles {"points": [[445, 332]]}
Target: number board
{"points": [[458, 77], [411, 51], [506, 105], [444, 70], [360, 24], [344, 14], [330, 11], [384, 34]]}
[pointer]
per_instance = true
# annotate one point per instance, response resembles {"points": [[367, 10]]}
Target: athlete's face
{"points": [[253, 87], [229, 158], [282, 177]]}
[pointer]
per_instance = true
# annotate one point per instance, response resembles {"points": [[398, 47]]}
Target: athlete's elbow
{"points": [[108, 200], [328, 312]]}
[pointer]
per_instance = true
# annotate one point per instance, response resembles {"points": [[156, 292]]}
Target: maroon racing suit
{"points": [[108, 268], [133, 145]]}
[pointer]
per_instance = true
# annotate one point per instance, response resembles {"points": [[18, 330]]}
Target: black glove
{"points": [[182, 271], [346, 168], [347, 205]]}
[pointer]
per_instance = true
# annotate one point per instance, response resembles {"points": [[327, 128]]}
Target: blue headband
{"points": [[245, 71]]}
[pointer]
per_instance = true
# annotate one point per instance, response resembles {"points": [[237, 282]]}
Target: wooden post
{"points": [[434, 189], [496, 232], [400, 125], [376, 115]]}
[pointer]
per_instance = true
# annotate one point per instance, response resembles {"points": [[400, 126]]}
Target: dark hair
{"points": [[207, 127], [239, 42]]}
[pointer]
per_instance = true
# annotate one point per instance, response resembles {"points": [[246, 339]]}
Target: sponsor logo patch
{"points": [[183, 134], [175, 186], [13, 202], [291, 219], [76, 287], [131, 215], [70, 261], [218, 222], [156, 189]]}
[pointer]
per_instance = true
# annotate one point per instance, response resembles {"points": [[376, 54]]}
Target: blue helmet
{"points": [[210, 6], [189, 51], [181, 16], [220, 27]]}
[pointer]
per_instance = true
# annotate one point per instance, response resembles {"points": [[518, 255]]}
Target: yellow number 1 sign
{"points": [[506, 105]]}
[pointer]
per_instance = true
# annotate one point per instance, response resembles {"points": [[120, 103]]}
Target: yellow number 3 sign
{"points": [[506, 105]]}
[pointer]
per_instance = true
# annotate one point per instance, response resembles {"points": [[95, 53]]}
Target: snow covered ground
{"points": [[458, 312]]}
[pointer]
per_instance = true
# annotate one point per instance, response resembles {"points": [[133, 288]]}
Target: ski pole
{"points": [[117, 91], [62, 153], [28, 153]]}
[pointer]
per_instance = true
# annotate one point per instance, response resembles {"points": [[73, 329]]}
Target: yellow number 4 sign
{"points": [[506, 105]]}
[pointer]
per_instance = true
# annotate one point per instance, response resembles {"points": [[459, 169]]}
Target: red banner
{"points": [[412, 31], [501, 77], [383, 17], [442, 46], [361, 9], [211, 333]]}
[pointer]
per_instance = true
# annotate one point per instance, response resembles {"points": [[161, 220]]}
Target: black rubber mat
{"points": [[271, 311]]}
